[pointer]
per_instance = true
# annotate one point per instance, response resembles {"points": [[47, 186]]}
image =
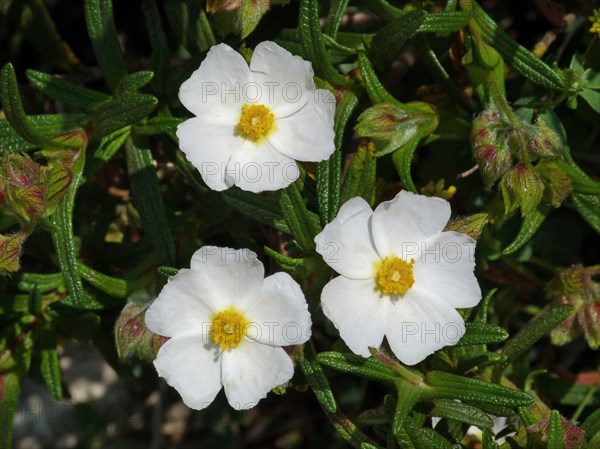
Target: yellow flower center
{"points": [[256, 121], [229, 328], [394, 276]]}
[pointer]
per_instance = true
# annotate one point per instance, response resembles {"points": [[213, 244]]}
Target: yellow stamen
{"points": [[229, 328], [394, 276], [256, 121]]}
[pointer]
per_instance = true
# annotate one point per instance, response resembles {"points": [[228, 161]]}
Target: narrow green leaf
{"points": [[592, 97], [168, 271], [66, 92], [63, 238], [444, 22], [285, 262], [359, 366], [13, 108], [591, 425], [530, 66], [303, 224], [123, 111], [588, 207], [316, 378], [334, 18], [105, 42], [262, 208], [555, 431], [452, 386], [108, 284], [105, 150], [488, 440], [134, 81], [148, 200], [388, 42], [49, 366], [444, 408], [329, 172], [535, 330], [402, 159], [314, 44], [482, 334], [10, 390], [377, 93], [360, 178], [46, 126], [157, 125], [44, 283], [158, 41], [531, 223]]}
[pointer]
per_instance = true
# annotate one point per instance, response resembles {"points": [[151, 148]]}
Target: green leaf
{"points": [[316, 378], [329, 172], [168, 271], [248, 15], [46, 126], [160, 49], [359, 366], [360, 178], [555, 432], [105, 42], [157, 125], [303, 223], [533, 331], [388, 42], [471, 225], [108, 284], [66, 92], [591, 425], [375, 90], [444, 408], [403, 160], [314, 44], [285, 262], [41, 32], [334, 18], [105, 150], [147, 198], [482, 334], [123, 111], [530, 66], [444, 22], [451, 386], [531, 223], [10, 253], [13, 109], [588, 207], [262, 208], [10, 389], [592, 97], [62, 235], [134, 81], [49, 367]]}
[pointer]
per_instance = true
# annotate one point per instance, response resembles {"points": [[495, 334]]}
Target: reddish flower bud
{"points": [[522, 187]]}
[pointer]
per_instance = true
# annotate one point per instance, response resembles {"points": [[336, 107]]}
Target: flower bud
{"points": [[573, 436], [133, 339], [10, 252], [489, 147], [521, 187], [24, 187], [543, 142], [576, 286], [558, 185]]}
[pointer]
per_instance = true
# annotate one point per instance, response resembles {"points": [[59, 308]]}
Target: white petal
{"points": [[217, 84], [357, 311], [346, 243], [192, 367], [280, 316], [307, 134], [445, 267], [184, 305], [258, 168], [420, 323], [250, 371], [208, 144], [233, 277], [271, 59], [400, 225]]}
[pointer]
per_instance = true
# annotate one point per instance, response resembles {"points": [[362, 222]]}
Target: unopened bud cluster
{"points": [[521, 156]]}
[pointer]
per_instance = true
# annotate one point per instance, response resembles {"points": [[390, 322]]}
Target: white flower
{"points": [[227, 324], [253, 123], [401, 276]]}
